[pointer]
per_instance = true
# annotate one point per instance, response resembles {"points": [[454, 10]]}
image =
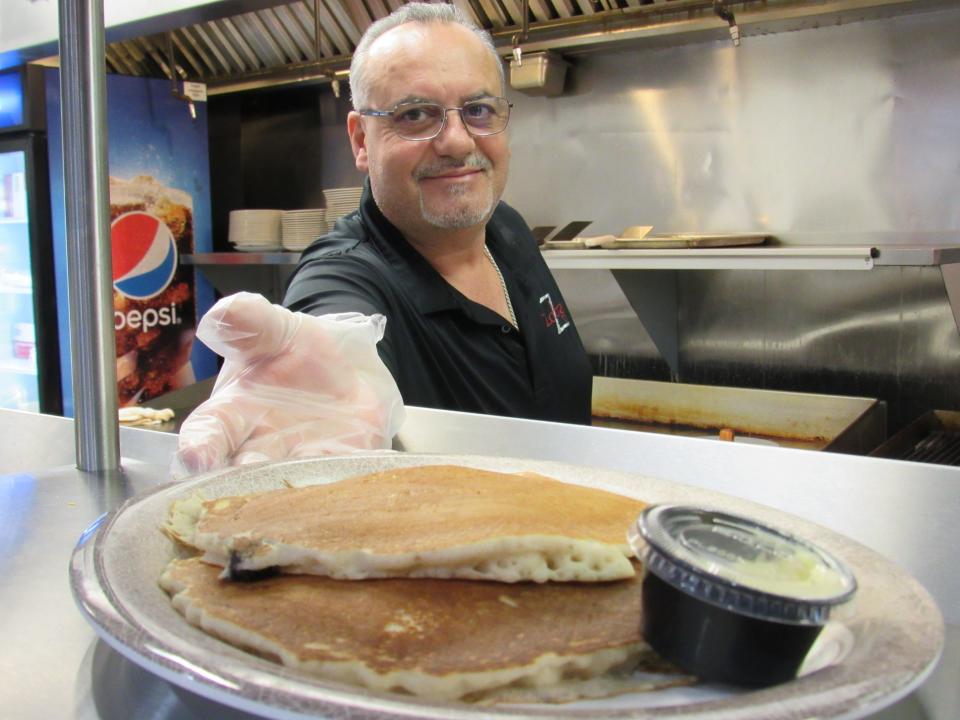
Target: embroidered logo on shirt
{"points": [[555, 316]]}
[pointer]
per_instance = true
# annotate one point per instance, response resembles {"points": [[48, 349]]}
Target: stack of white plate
{"points": [[299, 228], [341, 201], [255, 230]]}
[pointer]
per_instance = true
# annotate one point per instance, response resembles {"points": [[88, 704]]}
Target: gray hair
{"points": [[415, 12]]}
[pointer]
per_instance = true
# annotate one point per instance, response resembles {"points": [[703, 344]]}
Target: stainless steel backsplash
{"points": [[835, 135], [816, 134]]}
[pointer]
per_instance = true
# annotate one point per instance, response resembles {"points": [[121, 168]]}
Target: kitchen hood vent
{"points": [[312, 40]]}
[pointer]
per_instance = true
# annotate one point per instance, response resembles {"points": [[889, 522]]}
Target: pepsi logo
{"points": [[144, 255]]}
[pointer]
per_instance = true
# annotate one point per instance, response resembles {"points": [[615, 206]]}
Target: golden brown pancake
{"points": [[431, 521], [436, 639]]}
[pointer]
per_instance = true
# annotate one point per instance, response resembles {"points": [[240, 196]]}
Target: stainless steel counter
{"points": [[53, 666]]}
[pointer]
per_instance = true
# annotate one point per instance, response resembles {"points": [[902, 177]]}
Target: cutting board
{"points": [[661, 242], [657, 242]]}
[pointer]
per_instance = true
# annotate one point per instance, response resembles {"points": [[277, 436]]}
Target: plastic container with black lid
{"points": [[729, 599]]}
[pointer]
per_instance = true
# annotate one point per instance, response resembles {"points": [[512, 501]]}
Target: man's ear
{"points": [[358, 140]]}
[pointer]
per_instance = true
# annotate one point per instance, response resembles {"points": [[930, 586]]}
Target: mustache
{"points": [[474, 161]]}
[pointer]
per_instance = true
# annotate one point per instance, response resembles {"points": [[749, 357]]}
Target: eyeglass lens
{"points": [[422, 121]]}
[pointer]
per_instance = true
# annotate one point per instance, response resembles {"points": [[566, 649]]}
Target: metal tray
{"points": [[665, 242], [654, 242]]}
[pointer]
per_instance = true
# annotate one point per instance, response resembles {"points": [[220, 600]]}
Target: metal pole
{"points": [[89, 266]]}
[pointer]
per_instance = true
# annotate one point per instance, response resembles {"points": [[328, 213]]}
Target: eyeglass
{"points": [[424, 121]]}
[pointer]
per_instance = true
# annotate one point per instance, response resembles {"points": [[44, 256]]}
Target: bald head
{"points": [[416, 12]]}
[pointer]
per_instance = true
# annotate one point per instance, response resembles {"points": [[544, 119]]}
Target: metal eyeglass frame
{"points": [[443, 119]]}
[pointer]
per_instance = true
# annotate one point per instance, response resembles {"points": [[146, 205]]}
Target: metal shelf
{"points": [[728, 258], [653, 294], [797, 257], [241, 258], [801, 257], [230, 272]]}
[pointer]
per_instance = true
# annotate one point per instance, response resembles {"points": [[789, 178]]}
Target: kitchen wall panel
{"points": [[824, 135], [884, 334]]}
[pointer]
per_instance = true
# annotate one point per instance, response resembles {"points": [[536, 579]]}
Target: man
{"points": [[474, 320]]}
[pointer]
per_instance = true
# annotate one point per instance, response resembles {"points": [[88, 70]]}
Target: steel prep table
{"points": [[53, 666]]}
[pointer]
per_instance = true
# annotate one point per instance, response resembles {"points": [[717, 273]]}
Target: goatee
{"points": [[462, 213]]}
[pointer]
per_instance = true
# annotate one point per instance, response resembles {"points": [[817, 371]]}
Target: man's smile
{"points": [[462, 174]]}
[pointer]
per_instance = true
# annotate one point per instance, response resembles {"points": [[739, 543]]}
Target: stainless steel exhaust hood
{"points": [[231, 47]]}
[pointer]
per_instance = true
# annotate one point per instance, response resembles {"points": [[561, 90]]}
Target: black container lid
{"points": [[738, 564]]}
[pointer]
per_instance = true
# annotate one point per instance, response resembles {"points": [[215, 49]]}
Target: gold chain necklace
{"points": [[503, 286]]}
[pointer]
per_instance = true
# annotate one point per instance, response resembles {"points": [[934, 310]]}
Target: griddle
{"points": [[934, 438]]}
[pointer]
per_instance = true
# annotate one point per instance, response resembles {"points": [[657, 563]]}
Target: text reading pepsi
{"points": [[146, 319]]}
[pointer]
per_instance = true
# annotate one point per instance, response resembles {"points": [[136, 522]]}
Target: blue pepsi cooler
{"points": [[159, 212]]}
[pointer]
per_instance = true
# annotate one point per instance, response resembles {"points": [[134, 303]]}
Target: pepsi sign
{"points": [[144, 255]]}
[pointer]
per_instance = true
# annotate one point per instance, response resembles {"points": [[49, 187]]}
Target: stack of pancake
{"points": [[444, 582]]}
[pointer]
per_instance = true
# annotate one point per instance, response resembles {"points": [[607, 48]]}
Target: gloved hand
{"points": [[292, 385]]}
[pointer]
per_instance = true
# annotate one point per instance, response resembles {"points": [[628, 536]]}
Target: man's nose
{"points": [[455, 138]]}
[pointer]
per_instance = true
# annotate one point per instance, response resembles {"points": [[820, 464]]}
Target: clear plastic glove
{"points": [[292, 385]]}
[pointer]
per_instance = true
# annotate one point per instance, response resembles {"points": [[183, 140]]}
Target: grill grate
{"points": [[940, 447]]}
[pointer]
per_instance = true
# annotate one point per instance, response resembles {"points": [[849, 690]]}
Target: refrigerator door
{"points": [[29, 367]]}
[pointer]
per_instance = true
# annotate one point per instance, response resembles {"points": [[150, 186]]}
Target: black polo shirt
{"points": [[444, 350]]}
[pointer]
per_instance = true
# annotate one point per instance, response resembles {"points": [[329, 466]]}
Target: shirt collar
{"points": [[423, 283]]}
